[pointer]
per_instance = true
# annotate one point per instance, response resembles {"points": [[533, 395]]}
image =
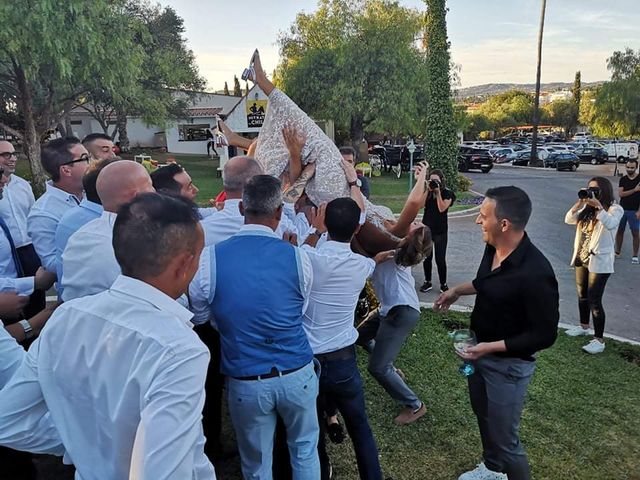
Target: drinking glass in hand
{"points": [[463, 339]]}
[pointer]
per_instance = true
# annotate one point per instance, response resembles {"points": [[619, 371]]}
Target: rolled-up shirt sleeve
{"points": [[22, 286]]}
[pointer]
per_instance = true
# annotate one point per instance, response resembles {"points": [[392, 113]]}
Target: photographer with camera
{"points": [[596, 217], [436, 208]]}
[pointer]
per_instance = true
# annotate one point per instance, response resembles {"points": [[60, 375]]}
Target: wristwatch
{"points": [[357, 183], [28, 330]]}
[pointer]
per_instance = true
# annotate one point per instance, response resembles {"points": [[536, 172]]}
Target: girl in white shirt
{"points": [[596, 217]]}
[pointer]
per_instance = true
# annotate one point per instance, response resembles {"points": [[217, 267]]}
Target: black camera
{"points": [[586, 193], [433, 184]]}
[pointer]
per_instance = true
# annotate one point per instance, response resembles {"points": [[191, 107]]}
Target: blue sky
{"points": [[494, 41]]}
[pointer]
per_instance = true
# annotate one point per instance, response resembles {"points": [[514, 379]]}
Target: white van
{"points": [[621, 151], [581, 136]]}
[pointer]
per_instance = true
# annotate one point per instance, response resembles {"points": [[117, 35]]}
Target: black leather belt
{"points": [[342, 354], [273, 373]]}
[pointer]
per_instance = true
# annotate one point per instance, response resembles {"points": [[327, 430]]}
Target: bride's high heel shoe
{"points": [[250, 72], [221, 139]]}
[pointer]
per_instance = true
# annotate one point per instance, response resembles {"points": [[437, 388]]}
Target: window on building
{"points": [[76, 122], [193, 132]]}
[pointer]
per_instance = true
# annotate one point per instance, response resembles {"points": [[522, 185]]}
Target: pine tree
{"points": [[576, 90], [226, 88], [440, 141], [237, 91]]}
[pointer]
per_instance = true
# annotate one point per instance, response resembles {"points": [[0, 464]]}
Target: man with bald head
{"points": [[89, 265]]}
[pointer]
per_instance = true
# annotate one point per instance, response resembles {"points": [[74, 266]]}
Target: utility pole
{"points": [[536, 101]]}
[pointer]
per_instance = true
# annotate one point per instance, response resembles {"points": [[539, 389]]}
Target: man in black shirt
{"points": [[436, 210], [629, 191], [515, 315]]}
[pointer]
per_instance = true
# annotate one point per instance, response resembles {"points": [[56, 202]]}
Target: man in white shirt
{"points": [[121, 374], [14, 208], [89, 265], [174, 179], [65, 160], [339, 275]]}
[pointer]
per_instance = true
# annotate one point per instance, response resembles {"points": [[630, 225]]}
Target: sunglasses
{"points": [[83, 158], [8, 155]]}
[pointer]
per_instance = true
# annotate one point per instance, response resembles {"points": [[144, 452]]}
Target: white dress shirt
{"points": [[9, 281], [339, 276], [14, 208], [394, 285], [228, 221], [202, 287], [43, 220], [89, 265], [11, 355], [121, 375]]}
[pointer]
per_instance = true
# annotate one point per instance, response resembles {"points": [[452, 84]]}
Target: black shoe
{"points": [[336, 433], [443, 288], [426, 286]]}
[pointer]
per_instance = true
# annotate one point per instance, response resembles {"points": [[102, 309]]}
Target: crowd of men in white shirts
{"points": [[115, 383]]}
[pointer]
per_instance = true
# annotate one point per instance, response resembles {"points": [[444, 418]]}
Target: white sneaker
{"points": [[578, 331], [593, 347], [635, 261], [482, 473]]}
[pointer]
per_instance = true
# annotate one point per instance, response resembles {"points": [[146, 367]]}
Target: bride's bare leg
{"points": [[261, 78], [234, 139]]}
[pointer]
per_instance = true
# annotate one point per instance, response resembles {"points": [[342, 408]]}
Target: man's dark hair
{"points": [[163, 180], [95, 136], [56, 153], [633, 160], [342, 218], [150, 230], [90, 179], [349, 151], [262, 196], [513, 204]]}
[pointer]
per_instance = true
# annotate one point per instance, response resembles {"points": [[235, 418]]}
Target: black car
{"points": [[474, 159], [562, 161], [591, 155]]}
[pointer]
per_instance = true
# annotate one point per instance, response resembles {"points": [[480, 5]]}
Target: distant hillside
{"points": [[489, 89]]}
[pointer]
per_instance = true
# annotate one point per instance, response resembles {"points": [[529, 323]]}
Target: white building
{"points": [[243, 115]]}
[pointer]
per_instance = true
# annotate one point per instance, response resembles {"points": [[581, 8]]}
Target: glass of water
{"points": [[463, 339]]}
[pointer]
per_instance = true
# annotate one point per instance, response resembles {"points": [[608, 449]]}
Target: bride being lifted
{"points": [[320, 173]]}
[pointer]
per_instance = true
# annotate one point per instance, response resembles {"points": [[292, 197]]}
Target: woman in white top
{"points": [[596, 217], [384, 334]]}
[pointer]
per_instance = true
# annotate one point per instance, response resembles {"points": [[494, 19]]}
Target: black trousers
{"points": [[15, 465], [440, 249], [30, 264], [590, 287], [212, 410]]}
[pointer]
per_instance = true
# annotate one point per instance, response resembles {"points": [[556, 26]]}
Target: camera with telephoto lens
{"points": [[586, 193], [433, 184]]}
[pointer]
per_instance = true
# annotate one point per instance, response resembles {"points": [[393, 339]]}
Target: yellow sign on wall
{"points": [[256, 110]]}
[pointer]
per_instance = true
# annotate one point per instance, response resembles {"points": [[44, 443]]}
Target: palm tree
{"points": [[535, 161]]}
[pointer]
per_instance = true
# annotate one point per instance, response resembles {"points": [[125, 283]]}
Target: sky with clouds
{"points": [[493, 41]]}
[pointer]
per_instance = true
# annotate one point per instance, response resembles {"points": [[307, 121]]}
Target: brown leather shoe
{"points": [[409, 415]]}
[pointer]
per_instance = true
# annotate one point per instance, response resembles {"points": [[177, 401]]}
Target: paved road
{"points": [[552, 194]]}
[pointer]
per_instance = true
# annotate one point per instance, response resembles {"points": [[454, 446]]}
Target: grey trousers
{"points": [[390, 333], [497, 391]]}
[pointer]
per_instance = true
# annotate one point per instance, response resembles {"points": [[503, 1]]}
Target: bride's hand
{"points": [[294, 141]]}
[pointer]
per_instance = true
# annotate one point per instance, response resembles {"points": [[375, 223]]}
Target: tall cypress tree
{"points": [[441, 143], [246, 88], [226, 88], [576, 90], [237, 91]]}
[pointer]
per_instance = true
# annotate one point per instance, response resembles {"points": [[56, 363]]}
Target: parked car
{"points": [[474, 159], [523, 158], [562, 161], [591, 155]]}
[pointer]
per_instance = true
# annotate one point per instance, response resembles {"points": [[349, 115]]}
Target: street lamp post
{"points": [[412, 148]]}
